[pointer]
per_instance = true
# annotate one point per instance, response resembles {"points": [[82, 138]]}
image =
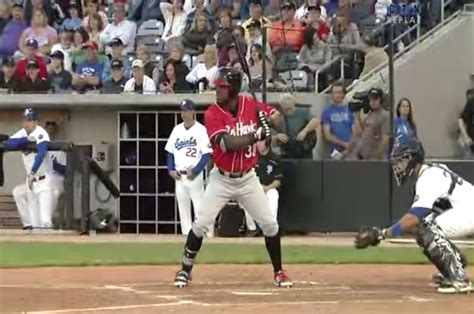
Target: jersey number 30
{"points": [[191, 152]]}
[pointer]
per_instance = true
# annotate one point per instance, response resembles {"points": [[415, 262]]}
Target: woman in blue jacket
{"points": [[404, 123]]}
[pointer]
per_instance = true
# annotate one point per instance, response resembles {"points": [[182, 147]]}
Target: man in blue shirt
{"points": [[88, 74], [338, 123]]}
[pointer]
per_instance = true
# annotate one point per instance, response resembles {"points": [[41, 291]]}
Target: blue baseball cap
{"points": [[30, 114], [187, 104], [31, 42]]}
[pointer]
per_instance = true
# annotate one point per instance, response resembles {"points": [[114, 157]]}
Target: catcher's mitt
{"points": [[368, 236]]}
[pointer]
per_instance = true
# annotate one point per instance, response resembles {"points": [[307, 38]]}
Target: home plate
{"points": [[251, 293]]}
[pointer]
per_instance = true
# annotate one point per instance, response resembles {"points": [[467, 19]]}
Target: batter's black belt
{"points": [[40, 178], [233, 175]]}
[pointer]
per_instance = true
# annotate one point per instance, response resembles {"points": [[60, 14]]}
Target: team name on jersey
{"points": [[241, 129], [185, 143]]}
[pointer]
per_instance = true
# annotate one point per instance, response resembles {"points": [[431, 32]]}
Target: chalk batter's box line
{"points": [[412, 241]]}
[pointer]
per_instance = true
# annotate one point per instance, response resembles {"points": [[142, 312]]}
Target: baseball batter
{"points": [[233, 131], [37, 199], [442, 209], [189, 151]]}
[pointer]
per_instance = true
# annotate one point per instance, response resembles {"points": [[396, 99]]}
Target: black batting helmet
{"points": [[229, 77], [407, 152]]}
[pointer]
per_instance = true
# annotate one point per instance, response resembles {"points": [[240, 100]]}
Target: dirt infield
{"points": [[227, 289]]}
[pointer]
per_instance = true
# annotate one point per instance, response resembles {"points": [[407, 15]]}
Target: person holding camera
{"points": [[372, 144], [466, 125]]}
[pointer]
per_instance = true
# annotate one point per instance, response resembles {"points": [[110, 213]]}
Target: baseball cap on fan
{"points": [[288, 5], [375, 93], [187, 104], [30, 114]]}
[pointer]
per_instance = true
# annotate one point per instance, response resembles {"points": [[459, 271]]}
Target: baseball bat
{"points": [[104, 178]]}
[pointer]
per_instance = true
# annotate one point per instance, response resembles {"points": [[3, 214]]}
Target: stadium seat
{"points": [[296, 78], [151, 27]]}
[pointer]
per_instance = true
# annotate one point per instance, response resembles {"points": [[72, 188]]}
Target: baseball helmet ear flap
{"points": [[229, 77]]}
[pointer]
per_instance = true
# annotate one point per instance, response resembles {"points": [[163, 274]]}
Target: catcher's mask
{"points": [[406, 154], [103, 220], [231, 78]]}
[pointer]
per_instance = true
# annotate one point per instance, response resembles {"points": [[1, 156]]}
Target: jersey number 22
{"points": [[191, 152]]}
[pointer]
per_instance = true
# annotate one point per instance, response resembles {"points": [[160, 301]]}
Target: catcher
{"points": [[442, 209]]}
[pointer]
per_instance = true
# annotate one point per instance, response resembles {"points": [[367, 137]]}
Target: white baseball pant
{"points": [[457, 222], [186, 192], [272, 199]]}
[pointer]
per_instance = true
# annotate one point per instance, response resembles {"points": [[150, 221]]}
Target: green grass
{"points": [[36, 254]]}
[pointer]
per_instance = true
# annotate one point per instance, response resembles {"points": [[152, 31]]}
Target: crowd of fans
{"points": [[61, 46]]}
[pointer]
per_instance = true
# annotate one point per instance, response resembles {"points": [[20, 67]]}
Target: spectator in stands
{"points": [[92, 7], [116, 83], [239, 35], [314, 55], [8, 79], [373, 141], [466, 126], [176, 53], [338, 123], [80, 37], [94, 28], [297, 136], [256, 15], [45, 5], [11, 33], [121, 28], [88, 73], [45, 35], [31, 53], [287, 33], [175, 19], [60, 80], [116, 53], [65, 46], [198, 35], [315, 21], [143, 10], [303, 11], [4, 14], [199, 9], [272, 10], [170, 82], [151, 70], [32, 83], [404, 122], [206, 71], [256, 66], [234, 58], [345, 40], [139, 83], [374, 56], [255, 37], [224, 36], [73, 21]]}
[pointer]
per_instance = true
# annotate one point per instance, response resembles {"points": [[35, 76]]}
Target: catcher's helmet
{"points": [[229, 77], [407, 152]]}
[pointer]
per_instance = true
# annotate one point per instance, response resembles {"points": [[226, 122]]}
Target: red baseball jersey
{"points": [[219, 120]]}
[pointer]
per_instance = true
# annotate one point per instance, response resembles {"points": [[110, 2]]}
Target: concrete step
{"points": [[7, 207], [9, 214], [10, 222]]}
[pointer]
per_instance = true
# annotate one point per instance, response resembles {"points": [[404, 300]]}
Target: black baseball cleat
{"points": [[27, 228], [182, 279], [439, 280]]}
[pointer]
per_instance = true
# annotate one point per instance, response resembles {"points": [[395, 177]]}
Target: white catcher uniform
{"points": [[437, 181], [36, 206], [187, 147]]}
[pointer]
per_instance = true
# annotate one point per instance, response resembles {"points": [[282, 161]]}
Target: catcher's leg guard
{"points": [[441, 252]]}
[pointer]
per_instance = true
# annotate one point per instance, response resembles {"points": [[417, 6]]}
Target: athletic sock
{"points": [[274, 250], [192, 247]]}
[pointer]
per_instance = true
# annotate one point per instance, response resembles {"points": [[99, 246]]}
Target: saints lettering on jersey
{"points": [[187, 142]]}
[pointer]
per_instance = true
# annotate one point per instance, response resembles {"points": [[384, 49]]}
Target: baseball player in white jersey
{"points": [[442, 209], [37, 198], [189, 151]]}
